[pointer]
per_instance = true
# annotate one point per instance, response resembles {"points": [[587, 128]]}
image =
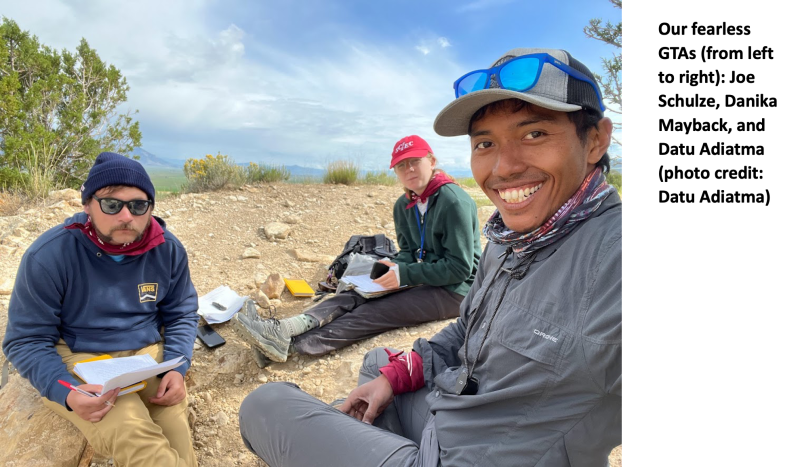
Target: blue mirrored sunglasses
{"points": [[518, 74]]}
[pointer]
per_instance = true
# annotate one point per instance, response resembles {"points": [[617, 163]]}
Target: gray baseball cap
{"points": [[555, 90]]}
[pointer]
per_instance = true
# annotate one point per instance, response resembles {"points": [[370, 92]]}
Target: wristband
{"points": [[404, 372]]}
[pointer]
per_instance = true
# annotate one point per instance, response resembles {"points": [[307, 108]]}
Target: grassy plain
{"points": [[167, 179]]}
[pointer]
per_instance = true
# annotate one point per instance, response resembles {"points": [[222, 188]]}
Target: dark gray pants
{"points": [[286, 427], [348, 317]]}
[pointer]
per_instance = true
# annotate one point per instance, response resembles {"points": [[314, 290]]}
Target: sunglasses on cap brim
{"points": [[112, 206], [518, 74]]}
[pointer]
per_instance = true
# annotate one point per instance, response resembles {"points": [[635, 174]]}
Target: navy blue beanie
{"points": [[112, 169]]}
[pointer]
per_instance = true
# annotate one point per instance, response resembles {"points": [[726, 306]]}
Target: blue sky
{"points": [[304, 83]]}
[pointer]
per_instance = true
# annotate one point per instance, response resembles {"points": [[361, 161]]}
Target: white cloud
{"points": [[426, 46], [201, 88], [356, 104]]}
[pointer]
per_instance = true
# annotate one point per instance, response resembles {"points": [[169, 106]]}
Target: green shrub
{"points": [[36, 173], [11, 179], [212, 173], [58, 110], [378, 177], [263, 173], [343, 172]]}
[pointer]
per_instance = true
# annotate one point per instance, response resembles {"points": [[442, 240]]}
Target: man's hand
{"points": [[369, 400], [91, 409], [171, 390], [388, 280]]}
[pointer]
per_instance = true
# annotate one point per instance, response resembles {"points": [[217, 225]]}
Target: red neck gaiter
{"points": [[153, 236], [436, 182]]}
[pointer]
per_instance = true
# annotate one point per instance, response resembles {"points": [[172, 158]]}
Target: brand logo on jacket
{"points": [[546, 336], [148, 292]]}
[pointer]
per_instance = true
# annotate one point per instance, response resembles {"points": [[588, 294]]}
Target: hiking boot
{"points": [[249, 309], [265, 335]]}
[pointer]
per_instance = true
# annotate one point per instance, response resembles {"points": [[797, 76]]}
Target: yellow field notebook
{"points": [[299, 287], [126, 390]]}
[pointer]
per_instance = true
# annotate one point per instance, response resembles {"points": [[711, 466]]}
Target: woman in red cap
{"points": [[439, 240]]}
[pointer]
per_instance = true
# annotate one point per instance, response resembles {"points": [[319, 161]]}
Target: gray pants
{"points": [[286, 427], [348, 317]]}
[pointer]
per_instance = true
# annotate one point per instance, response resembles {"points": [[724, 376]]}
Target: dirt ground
{"points": [[218, 229]]}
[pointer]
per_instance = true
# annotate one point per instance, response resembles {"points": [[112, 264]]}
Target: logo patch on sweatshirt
{"points": [[148, 292]]}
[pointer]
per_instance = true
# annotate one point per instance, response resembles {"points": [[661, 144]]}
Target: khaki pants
{"points": [[135, 432]]}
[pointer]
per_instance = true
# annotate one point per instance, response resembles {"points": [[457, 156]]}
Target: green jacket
{"points": [[452, 240]]}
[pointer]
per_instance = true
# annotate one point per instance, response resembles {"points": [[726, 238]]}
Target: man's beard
{"points": [[110, 240]]}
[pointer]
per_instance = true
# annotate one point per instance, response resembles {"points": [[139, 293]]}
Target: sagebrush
{"points": [[341, 172], [266, 173], [212, 173]]}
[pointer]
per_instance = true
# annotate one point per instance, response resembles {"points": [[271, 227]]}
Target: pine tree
{"points": [[57, 112]]}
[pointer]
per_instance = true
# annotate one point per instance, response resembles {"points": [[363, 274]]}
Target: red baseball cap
{"points": [[408, 147]]}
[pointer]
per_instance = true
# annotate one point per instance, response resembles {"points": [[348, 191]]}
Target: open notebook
{"points": [[127, 373], [367, 288]]}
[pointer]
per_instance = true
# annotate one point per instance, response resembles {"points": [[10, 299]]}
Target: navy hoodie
{"points": [[68, 288]]}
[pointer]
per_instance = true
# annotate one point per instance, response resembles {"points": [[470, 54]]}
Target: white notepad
{"points": [[224, 296], [122, 372], [365, 286]]}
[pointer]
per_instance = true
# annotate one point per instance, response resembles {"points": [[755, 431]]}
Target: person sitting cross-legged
{"points": [[110, 280]]}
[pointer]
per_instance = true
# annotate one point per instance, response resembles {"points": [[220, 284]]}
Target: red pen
{"points": [[85, 393]]}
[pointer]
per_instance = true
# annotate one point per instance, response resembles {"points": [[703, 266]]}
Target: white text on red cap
{"points": [[403, 146]]}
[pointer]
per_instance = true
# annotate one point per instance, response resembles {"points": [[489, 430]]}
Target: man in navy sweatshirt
{"points": [[110, 280]]}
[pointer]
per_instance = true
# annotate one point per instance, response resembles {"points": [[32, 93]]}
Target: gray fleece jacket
{"points": [[550, 371]]}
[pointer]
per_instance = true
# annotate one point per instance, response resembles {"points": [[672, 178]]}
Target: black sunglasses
{"points": [[137, 207]]}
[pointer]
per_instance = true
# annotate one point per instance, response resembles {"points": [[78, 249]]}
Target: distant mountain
{"points": [[298, 171], [150, 160]]}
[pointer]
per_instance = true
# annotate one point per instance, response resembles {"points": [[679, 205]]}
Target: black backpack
{"points": [[377, 246]]}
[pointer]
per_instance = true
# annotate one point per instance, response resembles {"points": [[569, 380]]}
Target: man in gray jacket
{"points": [[530, 373]]}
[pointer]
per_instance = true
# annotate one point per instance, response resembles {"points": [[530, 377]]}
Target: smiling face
{"points": [[531, 161], [123, 227]]}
